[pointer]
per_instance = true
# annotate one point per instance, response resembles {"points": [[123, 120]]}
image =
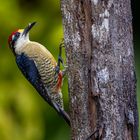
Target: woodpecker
{"points": [[39, 67]]}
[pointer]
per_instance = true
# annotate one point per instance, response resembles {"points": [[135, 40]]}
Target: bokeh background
{"points": [[24, 115]]}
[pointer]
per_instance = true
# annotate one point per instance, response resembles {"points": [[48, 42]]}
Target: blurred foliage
{"points": [[24, 115]]}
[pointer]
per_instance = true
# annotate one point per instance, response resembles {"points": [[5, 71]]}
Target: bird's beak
{"points": [[28, 28]]}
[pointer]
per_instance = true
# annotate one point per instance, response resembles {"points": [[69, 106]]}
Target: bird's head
{"points": [[19, 37]]}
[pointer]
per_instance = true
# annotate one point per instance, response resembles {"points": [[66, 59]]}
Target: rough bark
{"points": [[101, 74]]}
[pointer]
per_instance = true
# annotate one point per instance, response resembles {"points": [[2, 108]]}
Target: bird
{"points": [[39, 67]]}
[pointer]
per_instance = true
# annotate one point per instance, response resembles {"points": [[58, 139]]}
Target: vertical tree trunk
{"points": [[101, 74]]}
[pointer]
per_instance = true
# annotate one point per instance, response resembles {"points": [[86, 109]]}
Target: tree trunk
{"points": [[101, 73]]}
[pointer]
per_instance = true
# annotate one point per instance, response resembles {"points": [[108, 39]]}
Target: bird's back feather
{"points": [[45, 64], [28, 68]]}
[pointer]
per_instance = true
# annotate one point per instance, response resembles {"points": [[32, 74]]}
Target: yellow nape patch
{"points": [[20, 30]]}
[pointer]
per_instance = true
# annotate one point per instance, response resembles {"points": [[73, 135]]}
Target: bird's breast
{"points": [[45, 64]]}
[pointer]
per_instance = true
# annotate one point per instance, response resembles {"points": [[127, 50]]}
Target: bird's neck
{"points": [[20, 45]]}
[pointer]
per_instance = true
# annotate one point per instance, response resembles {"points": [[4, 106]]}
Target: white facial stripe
{"points": [[21, 42]]}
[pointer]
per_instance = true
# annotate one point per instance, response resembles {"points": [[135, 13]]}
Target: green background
{"points": [[24, 115]]}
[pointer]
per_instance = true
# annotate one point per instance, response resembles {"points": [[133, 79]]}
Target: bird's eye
{"points": [[15, 36]]}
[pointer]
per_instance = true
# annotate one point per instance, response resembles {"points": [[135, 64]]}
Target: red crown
{"points": [[10, 37]]}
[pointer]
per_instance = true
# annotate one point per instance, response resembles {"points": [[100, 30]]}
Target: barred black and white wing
{"points": [[30, 71]]}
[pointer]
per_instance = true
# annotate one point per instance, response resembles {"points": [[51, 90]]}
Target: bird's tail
{"points": [[56, 105], [61, 112]]}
